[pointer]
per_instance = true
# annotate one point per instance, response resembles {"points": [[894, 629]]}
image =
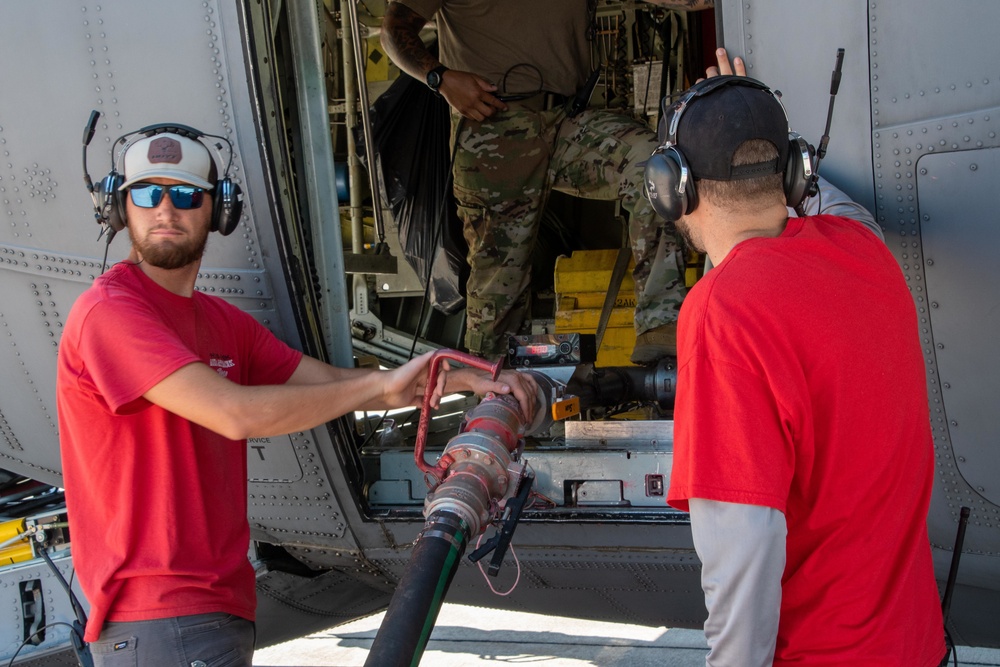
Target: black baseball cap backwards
{"points": [[714, 117]]}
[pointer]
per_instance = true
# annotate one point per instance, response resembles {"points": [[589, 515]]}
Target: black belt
{"points": [[540, 101]]}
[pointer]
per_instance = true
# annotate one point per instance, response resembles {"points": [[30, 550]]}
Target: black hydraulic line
{"points": [[476, 471], [614, 385], [80, 647], [956, 557], [949, 589], [414, 607]]}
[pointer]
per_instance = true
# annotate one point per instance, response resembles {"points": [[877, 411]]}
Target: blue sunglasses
{"points": [[184, 197]]}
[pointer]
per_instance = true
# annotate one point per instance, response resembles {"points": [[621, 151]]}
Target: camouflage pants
{"points": [[505, 168]]}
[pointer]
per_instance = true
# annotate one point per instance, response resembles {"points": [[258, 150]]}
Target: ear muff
{"points": [[110, 204], [227, 205], [799, 172], [668, 184]]}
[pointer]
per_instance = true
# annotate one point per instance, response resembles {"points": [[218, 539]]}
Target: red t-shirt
{"points": [[157, 505], [801, 386]]}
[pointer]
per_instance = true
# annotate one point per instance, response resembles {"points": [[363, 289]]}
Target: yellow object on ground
{"points": [[15, 550], [581, 284]]}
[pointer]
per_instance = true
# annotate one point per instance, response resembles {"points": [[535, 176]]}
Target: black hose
{"points": [[614, 385], [414, 607], [956, 557]]}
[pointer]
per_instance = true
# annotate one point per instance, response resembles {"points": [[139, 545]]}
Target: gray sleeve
{"points": [[742, 550], [832, 201]]}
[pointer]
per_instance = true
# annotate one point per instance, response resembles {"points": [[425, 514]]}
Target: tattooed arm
{"points": [[401, 41], [466, 92]]}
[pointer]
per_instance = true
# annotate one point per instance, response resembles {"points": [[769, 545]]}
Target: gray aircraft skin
{"points": [[333, 513]]}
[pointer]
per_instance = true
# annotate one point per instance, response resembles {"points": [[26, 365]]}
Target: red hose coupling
{"points": [[439, 471]]}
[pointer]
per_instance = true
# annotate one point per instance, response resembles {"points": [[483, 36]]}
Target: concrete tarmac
{"points": [[467, 636]]}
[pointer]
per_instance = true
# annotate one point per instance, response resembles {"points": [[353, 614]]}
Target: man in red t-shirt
{"points": [[802, 434], [158, 388]]}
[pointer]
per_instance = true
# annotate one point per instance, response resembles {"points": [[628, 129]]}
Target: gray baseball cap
{"points": [[168, 155]]}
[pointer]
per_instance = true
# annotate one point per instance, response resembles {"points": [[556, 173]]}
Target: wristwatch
{"points": [[434, 77]]}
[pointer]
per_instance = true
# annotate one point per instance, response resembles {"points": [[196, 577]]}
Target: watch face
{"points": [[434, 77]]}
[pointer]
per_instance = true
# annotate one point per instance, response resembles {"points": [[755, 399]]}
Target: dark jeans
{"points": [[204, 640]]}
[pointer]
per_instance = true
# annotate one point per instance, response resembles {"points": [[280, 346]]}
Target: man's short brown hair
{"points": [[749, 193]]}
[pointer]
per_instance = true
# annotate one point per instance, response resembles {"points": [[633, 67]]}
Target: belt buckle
{"points": [[553, 101]]}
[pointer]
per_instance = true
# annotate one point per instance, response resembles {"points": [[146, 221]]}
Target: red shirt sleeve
{"points": [[128, 351], [743, 451]]}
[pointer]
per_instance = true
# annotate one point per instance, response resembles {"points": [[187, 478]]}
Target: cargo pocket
{"points": [[474, 214]]}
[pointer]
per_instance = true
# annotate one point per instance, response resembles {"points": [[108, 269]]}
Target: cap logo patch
{"points": [[164, 149]]}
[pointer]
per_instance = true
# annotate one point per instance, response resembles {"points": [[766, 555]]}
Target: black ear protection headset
{"points": [[669, 183], [109, 203]]}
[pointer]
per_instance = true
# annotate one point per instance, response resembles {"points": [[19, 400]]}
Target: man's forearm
{"points": [[196, 393], [401, 41], [742, 549]]}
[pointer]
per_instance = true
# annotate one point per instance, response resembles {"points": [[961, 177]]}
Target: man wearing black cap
{"points": [[802, 435], [159, 386]]}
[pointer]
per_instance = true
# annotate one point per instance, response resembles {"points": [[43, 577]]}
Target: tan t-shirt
{"points": [[494, 37]]}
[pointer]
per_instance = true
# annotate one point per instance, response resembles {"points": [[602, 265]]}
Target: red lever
{"points": [[439, 470]]}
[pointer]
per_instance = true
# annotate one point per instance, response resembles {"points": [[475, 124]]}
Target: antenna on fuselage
{"points": [[825, 139], [949, 588]]}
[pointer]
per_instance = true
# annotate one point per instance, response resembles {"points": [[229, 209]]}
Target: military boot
{"points": [[653, 345]]}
